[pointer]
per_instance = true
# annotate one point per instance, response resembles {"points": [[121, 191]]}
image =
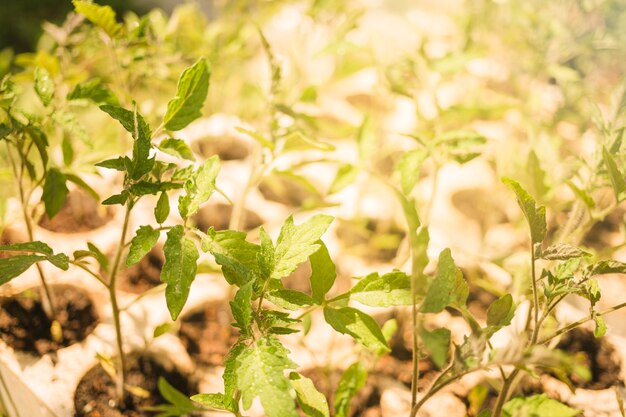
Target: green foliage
{"points": [[178, 403], [360, 326], [179, 269], [44, 85], [448, 288], [437, 343], [54, 192], [537, 406], [391, 289], [535, 215], [352, 380], [176, 147], [101, 16], [312, 402], [199, 187], [190, 95], [260, 373], [144, 240]]}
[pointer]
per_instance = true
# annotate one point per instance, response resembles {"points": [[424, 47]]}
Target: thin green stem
{"points": [[121, 382], [504, 392], [535, 306], [90, 272]]}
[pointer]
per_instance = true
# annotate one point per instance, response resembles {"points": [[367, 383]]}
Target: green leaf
{"points": [[537, 175], [242, 309], [100, 257], [37, 247], [44, 85], [144, 240], [346, 174], [536, 216], [607, 267], [616, 177], [296, 243], [179, 269], [437, 343], [261, 374], [360, 326], [266, 256], [501, 311], [391, 289], [352, 380], [537, 406], [147, 187], [15, 265], [199, 187], [231, 365], [40, 140], [175, 397], [289, 299], [600, 329], [117, 199], [176, 147], [135, 124], [191, 92], [214, 401], [583, 195], [93, 90], [54, 192], [312, 402], [117, 164], [162, 209], [162, 328], [101, 16], [448, 287], [562, 252], [408, 168], [297, 141], [237, 256], [323, 273]]}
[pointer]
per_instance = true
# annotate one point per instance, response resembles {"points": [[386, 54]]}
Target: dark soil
{"points": [[218, 216], [227, 148], [600, 358], [371, 238], [142, 276], [207, 334], [25, 326], [80, 213], [95, 394]]}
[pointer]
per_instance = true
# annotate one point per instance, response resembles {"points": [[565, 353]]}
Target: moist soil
{"points": [[80, 213], [25, 326], [207, 334], [143, 275], [600, 358], [218, 216], [95, 394]]}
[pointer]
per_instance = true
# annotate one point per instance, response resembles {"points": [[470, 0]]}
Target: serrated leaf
{"points": [[535, 215], [37, 247], [179, 269], [93, 90], [616, 177], [391, 289], [44, 85], [289, 299], [162, 209], [323, 272], [176, 147], [242, 309], [54, 192], [360, 326], [537, 406], [199, 187], [501, 311], [563, 251], [135, 124], [266, 256], [409, 167], [101, 16], [191, 92], [352, 380], [311, 401], [213, 401], [143, 242], [297, 141], [231, 365], [296, 243], [261, 374], [448, 287], [607, 267], [437, 343], [15, 265], [237, 256], [346, 174], [117, 164]]}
